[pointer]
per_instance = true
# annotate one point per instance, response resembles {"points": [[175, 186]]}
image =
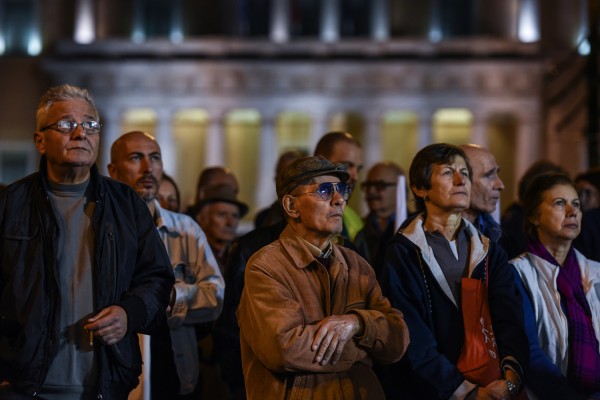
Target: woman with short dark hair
{"points": [[423, 275]]}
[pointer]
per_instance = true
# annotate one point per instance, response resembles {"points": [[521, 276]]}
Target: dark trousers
{"points": [[163, 373]]}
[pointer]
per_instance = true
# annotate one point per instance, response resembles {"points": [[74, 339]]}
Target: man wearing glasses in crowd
{"points": [[319, 310], [380, 194], [82, 268]]}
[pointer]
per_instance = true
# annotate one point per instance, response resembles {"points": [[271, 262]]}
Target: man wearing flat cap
{"points": [[312, 317]]}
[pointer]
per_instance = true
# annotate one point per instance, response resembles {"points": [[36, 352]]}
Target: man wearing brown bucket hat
{"points": [[219, 214], [312, 317]]}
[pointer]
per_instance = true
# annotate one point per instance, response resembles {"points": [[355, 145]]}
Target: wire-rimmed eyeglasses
{"points": [[67, 127], [326, 190]]}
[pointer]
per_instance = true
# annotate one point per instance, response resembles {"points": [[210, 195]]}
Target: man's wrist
{"points": [[360, 324], [513, 389]]}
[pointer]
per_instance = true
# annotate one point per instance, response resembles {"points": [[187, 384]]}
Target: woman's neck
{"points": [[447, 224], [558, 250]]}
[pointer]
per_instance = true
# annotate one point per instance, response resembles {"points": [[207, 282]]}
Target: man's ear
{"points": [[112, 170], [40, 144], [289, 207]]}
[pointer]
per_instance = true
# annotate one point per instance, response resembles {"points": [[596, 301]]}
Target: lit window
{"points": [[19, 33]]}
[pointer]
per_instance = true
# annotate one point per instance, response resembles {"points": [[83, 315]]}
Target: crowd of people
{"points": [[111, 288]]}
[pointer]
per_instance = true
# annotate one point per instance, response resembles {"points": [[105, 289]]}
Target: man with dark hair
{"points": [[318, 307], [380, 194], [341, 147], [82, 268]]}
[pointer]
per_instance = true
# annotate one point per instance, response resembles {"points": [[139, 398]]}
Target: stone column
{"points": [[214, 139], [265, 192], [479, 130], [280, 23], [320, 123], [380, 21], [372, 141], [330, 21], [111, 120], [85, 24], [164, 136], [425, 128]]}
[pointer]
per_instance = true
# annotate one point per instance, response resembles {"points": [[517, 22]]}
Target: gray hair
{"points": [[61, 93]]}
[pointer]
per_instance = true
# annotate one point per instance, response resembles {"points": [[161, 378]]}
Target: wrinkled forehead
{"points": [[456, 161], [68, 109]]}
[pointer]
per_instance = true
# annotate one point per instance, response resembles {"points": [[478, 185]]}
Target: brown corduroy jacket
{"points": [[287, 292]]}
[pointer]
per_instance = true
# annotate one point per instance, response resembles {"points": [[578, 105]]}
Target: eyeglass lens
{"points": [[66, 126], [327, 189]]}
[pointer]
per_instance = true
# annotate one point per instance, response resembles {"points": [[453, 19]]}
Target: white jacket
{"points": [[539, 279]]}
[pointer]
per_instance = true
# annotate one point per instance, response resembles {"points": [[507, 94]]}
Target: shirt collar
{"points": [[160, 217]]}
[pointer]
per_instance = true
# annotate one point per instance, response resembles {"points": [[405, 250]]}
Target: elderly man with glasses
{"points": [[82, 268], [312, 317], [380, 194]]}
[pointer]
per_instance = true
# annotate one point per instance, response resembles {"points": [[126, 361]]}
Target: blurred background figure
{"points": [[514, 239], [274, 214], [588, 188], [380, 194], [168, 194], [341, 147], [219, 213], [212, 176], [486, 186], [561, 294]]}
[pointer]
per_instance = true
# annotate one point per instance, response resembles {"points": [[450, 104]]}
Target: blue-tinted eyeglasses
{"points": [[326, 190], [68, 127]]}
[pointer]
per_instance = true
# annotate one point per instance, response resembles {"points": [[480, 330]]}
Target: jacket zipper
{"points": [[51, 336]]}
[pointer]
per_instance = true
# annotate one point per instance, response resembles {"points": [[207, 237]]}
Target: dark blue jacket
{"points": [[428, 369], [131, 270]]}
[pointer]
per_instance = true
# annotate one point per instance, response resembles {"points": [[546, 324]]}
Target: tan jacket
{"points": [[287, 292]]}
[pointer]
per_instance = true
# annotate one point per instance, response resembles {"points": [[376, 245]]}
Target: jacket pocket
{"points": [[128, 360]]}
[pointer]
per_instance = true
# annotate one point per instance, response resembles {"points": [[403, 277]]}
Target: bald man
{"points": [[486, 186], [197, 296]]}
